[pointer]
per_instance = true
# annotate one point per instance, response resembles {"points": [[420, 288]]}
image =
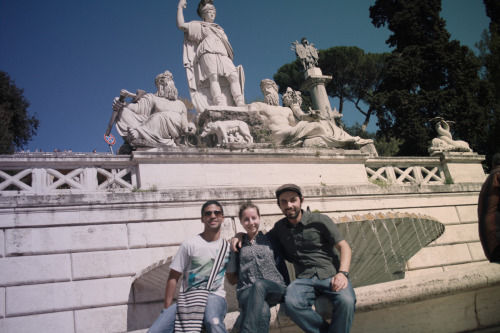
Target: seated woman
{"points": [[255, 269]]}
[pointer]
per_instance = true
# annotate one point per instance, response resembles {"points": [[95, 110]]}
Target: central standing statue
{"points": [[208, 58]]}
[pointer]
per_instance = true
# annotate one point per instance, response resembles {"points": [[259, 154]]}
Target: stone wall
{"points": [[68, 257]]}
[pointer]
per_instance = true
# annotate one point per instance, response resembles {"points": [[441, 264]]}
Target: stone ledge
{"points": [[397, 293], [407, 291], [426, 286], [181, 195]]}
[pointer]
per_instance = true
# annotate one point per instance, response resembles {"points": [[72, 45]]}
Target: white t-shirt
{"points": [[195, 259]]}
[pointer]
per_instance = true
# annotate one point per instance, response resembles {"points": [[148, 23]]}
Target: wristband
{"points": [[345, 273]]}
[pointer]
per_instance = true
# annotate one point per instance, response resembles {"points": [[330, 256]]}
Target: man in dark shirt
{"points": [[488, 212], [308, 241]]}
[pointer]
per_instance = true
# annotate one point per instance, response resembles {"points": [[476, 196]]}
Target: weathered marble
{"points": [[306, 53], [444, 142], [208, 58], [228, 131], [291, 126], [152, 119]]}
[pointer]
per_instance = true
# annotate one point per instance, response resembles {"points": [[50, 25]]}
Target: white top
{"points": [[195, 259]]}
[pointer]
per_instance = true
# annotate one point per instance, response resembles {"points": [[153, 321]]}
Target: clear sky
{"points": [[73, 57]]}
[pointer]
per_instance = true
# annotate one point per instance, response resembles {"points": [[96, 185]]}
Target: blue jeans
{"points": [[215, 312], [300, 296], [255, 303]]}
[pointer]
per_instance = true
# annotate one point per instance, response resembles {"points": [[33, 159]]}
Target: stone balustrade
{"points": [[43, 173], [72, 242]]}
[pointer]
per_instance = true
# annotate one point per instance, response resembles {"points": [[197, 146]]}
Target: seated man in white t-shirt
{"points": [[194, 261]]}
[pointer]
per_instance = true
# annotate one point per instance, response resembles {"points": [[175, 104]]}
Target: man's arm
{"points": [[232, 268], [173, 277], [232, 277], [236, 241], [339, 281]]}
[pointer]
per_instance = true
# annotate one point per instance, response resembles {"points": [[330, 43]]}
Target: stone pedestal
{"points": [[463, 167], [249, 168], [315, 84]]}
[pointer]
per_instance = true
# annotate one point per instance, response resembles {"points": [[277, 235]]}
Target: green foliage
{"points": [[17, 127], [427, 76], [358, 130], [152, 188], [355, 75], [489, 48], [291, 75], [379, 182], [385, 146]]}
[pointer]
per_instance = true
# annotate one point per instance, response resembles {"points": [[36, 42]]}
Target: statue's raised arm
{"points": [[180, 15]]}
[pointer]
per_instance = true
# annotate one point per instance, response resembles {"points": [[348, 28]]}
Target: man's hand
{"points": [[182, 4], [236, 241], [339, 282]]}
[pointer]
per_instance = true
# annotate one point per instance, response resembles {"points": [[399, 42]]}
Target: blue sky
{"points": [[72, 57]]}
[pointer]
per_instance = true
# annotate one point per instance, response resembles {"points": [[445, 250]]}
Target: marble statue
{"points": [[306, 53], [208, 58], [151, 119], [444, 141], [228, 131], [290, 125]]}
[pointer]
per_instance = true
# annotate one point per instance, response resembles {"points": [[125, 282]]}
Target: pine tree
{"points": [[427, 76], [17, 127]]}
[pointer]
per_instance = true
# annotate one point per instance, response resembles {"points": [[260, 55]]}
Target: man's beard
{"points": [[168, 91], [272, 98], [292, 213]]}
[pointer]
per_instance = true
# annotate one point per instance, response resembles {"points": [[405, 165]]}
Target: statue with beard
{"points": [[284, 127], [158, 119], [291, 126]]}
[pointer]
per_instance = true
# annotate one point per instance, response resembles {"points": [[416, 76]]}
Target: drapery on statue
{"points": [[291, 126], [444, 141], [208, 58], [306, 52], [152, 119]]}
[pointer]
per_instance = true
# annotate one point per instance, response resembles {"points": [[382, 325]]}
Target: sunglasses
{"points": [[208, 213]]}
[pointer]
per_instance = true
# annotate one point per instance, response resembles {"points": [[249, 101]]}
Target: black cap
{"points": [[288, 187]]}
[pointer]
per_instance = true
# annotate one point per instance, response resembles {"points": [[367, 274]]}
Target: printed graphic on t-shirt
{"points": [[201, 266]]}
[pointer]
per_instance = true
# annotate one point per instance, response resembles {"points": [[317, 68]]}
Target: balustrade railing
{"points": [[420, 171], [32, 173], [78, 173]]}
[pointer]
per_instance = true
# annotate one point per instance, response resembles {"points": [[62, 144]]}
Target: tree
{"points": [[17, 127], [385, 146], [291, 75], [355, 75], [427, 76], [489, 48]]}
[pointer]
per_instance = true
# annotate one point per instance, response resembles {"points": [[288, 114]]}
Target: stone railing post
{"points": [[90, 179], [39, 180], [462, 167]]}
